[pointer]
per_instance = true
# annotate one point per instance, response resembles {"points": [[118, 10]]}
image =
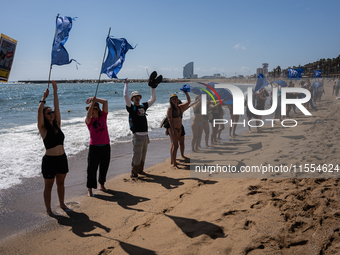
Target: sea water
{"points": [[21, 147]]}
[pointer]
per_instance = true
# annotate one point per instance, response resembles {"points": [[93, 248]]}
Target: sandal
{"points": [[152, 78]]}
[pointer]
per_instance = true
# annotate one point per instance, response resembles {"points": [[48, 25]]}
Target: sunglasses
{"points": [[49, 113]]}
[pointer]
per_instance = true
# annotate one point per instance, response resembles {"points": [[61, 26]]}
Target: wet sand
{"points": [[22, 207], [170, 211]]}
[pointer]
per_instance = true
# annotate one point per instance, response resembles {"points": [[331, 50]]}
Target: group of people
{"points": [[54, 163], [201, 122]]}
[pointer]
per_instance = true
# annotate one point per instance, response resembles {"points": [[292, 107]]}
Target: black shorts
{"points": [[216, 115], [183, 132], [251, 115], [52, 165]]}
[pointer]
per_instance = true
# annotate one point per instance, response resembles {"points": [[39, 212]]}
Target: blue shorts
{"points": [[53, 165]]}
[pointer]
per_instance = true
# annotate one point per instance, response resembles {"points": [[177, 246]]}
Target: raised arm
{"points": [[56, 103], [104, 102], [126, 94], [89, 111], [152, 98], [40, 124], [186, 105]]}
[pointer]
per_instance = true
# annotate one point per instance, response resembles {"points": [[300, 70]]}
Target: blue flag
{"points": [[222, 92], [281, 83], [59, 53], [295, 73], [197, 91], [261, 82], [185, 88], [116, 56], [317, 73]]}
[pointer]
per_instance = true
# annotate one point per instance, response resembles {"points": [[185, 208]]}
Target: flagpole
{"points": [[100, 73], [49, 76]]}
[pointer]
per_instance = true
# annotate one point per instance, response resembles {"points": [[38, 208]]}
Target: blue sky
{"points": [[219, 36]]}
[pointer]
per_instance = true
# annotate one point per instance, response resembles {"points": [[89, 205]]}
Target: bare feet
{"points": [[50, 213], [102, 188], [65, 208], [89, 192]]}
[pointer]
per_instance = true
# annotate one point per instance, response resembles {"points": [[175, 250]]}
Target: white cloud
{"points": [[244, 68], [143, 67], [238, 46]]}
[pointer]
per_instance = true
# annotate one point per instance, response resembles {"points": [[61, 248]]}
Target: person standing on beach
{"points": [[336, 86], [233, 120], [218, 113], [175, 115], [249, 114], [100, 150], [197, 124], [139, 124], [261, 98], [181, 139], [318, 93], [54, 163]]}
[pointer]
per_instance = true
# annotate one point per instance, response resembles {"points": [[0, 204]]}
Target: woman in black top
{"points": [[174, 115], [54, 164]]}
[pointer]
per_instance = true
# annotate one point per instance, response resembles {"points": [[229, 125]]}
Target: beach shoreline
{"points": [[18, 214], [173, 212]]}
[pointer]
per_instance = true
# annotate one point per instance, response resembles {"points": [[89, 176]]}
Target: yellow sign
{"points": [[7, 51]]}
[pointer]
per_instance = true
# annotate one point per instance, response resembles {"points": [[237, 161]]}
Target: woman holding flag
{"points": [[100, 150], [54, 163]]}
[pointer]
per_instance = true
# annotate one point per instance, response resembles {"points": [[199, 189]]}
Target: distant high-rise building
{"points": [[263, 70], [188, 70], [258, 71]]}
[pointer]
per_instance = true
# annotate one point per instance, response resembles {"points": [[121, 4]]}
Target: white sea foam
{"points": [[21, 147]]}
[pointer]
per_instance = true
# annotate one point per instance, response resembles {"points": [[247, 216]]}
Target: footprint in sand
{"points": [[258, 205], [249, 224]]}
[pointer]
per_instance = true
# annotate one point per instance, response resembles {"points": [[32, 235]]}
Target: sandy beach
{"points": [[174, 211]]}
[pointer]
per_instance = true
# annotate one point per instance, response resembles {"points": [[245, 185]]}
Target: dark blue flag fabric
{"points": [[197, 91], [317, 73], [185, 88], [59, 53], [223, 93], [281, 83], [118, 47], [261, 82], [295, 73]]}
